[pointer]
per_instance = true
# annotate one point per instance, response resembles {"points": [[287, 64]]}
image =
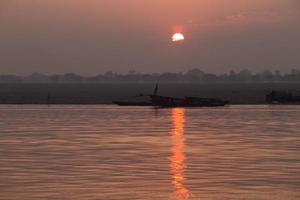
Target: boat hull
{"points": [[163, 101], [123, 103], [282, 98]]}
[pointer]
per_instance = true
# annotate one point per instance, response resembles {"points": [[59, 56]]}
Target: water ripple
{"points": [[108, 152]]}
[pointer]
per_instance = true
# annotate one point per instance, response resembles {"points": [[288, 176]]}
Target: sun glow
{"points": [[178, 158], [178, 37]]}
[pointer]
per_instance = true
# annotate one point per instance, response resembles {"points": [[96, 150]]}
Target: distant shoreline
{"points": [[105, 93]]}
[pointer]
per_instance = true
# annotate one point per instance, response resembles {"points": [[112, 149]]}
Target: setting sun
{"points": [[177, 37]]}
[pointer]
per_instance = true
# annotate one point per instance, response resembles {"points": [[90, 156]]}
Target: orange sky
{"points": [[93, 36]]}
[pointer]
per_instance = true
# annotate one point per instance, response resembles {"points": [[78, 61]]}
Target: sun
{"points": [[178, 37]]}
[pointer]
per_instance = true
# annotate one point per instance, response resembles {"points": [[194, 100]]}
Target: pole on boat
{"points": [[156, 89]]}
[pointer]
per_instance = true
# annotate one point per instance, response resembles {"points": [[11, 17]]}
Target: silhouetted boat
{"points": [[127, 103], [281, 97], [165, 101]]}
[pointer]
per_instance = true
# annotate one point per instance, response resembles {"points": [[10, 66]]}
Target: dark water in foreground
{"points": [[108, 152]]}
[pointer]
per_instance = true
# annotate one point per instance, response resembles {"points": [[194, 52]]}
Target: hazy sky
{"points": [[95, 36]]}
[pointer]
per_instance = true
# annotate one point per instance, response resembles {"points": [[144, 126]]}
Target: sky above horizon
{"points": [[95, 36]]}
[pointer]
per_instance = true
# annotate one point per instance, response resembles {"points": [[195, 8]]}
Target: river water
{"points": [[110, 152]]}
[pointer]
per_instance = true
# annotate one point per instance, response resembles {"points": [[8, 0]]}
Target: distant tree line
{"points": [[193, 76]]}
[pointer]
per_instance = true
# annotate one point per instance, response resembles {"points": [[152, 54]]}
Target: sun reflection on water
{"points": [[178, 158]]}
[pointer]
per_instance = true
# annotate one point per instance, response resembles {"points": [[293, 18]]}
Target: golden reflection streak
{"points": [[178, 157]]}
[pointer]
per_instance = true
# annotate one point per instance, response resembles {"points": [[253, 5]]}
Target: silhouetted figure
{"points": [[156, 90]]}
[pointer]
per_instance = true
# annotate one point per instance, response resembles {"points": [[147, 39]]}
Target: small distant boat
{"points": [[165, 101], [281, 97]]}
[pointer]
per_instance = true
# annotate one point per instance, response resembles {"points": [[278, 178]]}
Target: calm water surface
{"points": [[108, 152]]}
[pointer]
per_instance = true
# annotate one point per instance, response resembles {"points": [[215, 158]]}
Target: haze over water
{"points": [[108, 152]]}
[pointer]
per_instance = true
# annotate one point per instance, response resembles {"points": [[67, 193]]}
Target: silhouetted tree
{"points": [[193, 75], [10, 79], [72, 77]]}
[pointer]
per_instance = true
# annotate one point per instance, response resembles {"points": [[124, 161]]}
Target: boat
{"points": [[128, 103], [165, 101], [282, 97]]}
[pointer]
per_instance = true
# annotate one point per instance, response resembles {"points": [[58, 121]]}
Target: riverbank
{"points": [[105, 93]]}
